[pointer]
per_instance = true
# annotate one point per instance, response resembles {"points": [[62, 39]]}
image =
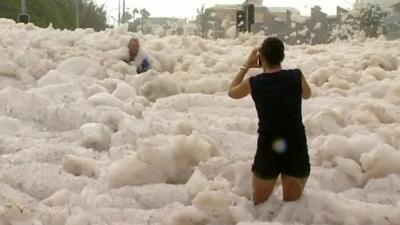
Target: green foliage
{"points": [[202, 20], [367, 20], [126, 17], [59, 13], [371, 19]]}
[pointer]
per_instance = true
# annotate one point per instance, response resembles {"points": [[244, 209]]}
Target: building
{"points": [[392, 22], [270, 20], [284, 22], [228, 12], [156, 24], [281, 13], [219, 18]]}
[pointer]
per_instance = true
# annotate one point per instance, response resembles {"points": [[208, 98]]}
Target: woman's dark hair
{"points": [[273, 51]]}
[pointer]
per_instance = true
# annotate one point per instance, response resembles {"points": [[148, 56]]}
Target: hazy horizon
{"points": [[180, 8]]}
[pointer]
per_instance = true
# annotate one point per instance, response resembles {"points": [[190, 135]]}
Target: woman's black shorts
{"points": [[282, 151]]}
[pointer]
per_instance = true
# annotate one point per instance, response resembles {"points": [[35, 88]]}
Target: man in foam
{"points": [[137, 56]]}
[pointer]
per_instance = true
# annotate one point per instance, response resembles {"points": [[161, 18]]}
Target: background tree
{"points": [[367, 20], [203, 20], [59, 13], [370, 20]]}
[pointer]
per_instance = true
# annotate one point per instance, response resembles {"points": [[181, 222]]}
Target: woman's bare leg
{"points": [[262, 189], [292, 187]]}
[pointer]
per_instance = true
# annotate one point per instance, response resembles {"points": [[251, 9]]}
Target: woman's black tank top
{"points": [[277, 97]]}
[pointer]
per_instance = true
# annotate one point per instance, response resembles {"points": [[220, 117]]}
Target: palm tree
{"points": [[134, 12], [145, 14]]}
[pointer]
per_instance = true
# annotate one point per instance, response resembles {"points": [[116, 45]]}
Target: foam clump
{"points": [[79, 166], [41, 174], [386, 61], [9, 69], [351, 148], [9, 125], [20, 104], [77, 220], [105, 99], [188, 216], [326, 121], [205, 86], [215, 205], [124, 91], [160, 159], [151, 196], [84, 139], [15, 206], [59, 198], [74, 68], [96, 136], [380, 162], [393, 95]]}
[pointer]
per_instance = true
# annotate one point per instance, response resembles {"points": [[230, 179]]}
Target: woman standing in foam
{"points": [[282, 144]]}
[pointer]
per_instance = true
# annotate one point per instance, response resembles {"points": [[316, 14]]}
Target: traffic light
{"points": [[23, 18], [241, 20]]}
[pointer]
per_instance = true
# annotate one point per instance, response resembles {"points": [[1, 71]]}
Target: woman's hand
{"points": [[251, 61]]}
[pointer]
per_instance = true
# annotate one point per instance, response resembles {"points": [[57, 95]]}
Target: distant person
{"points": [[137, 56], [282, 144]]}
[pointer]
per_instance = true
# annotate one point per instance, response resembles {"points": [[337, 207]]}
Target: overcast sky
{"points": [[187, 8]]}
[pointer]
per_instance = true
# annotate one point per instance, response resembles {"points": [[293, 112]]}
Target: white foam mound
{"points": [[84, 139], [132, 171], [8, 68], [41, 174], [106, 99], [96, 136], [160, 159], [215, 205], [380, 162], [351, 148], [79, 166], [81, 219], [188, 215], [124, 91], [9, 125], [21, 105], [73, 69], [15, 206], [59, 198], [206, 86], [197, 183], [158, 88], [150, 196]]}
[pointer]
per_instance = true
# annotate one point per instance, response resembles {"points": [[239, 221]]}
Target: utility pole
{"points": [[142, 11], [119, 12], [23, 7], [23, 17], [123, 8], [247, 16], [77, 13]]}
